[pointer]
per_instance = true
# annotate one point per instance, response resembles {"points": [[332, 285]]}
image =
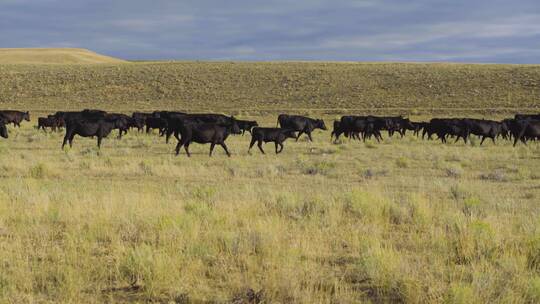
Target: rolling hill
{"points": [[53, 56]]}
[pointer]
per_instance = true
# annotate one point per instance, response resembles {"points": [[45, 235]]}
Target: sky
{"points": [[338, 30]]}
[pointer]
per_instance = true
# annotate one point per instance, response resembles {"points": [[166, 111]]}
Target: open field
{"points": [[253, 88], [405, 220]]}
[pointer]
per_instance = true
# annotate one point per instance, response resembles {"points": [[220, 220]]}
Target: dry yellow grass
{"points": [[53, 56], [402, 221]]}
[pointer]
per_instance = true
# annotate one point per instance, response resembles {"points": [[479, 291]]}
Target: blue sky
{"points": [[364, 30]]}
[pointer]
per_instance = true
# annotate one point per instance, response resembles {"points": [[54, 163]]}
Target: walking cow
{"points": [[276, 135], [301, 124], [14, 117], [100, 128]]}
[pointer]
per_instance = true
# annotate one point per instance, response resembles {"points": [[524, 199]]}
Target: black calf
{"points": [[275, 135]]}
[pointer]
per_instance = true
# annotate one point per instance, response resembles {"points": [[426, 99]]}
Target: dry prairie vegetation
{"points": [[401, 221], [415, 88]]}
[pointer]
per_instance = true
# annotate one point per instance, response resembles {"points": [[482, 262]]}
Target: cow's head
{"points": [[407, 124], [3, 129], [235, 129], [26, 116], [319, 123]]}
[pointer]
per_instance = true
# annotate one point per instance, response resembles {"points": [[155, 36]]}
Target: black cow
{"points": [[14, 117], [89, 128], [337, 130], [156, 123], [47, 122], [447, 126], [176, 119], [528, 130], [275, 135], [122, 122], [246, 125], [302, 124], [3, 128], [205, 133], [484, 128]]}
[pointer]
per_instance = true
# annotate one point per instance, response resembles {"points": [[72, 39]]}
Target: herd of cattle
{"points": [[214, 129]]}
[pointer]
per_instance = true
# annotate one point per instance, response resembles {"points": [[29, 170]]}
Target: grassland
{"points": [[266, 88], [405, 220]]}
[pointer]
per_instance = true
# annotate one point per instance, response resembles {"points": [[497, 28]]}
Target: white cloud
{"points": [[519, 26]]}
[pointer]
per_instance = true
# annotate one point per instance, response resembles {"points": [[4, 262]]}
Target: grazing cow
{"points": [[3, 128], [47, 122], [205, 133], [14, 117], [89, 128], [302, 124], [246, 125], [275, 135]]}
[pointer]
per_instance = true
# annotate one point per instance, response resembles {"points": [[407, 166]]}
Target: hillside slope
{"points": [[53, 56], [278, 86]]}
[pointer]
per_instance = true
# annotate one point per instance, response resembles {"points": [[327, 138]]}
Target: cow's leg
{"points": [[281, 148], [178, 146], [168, 135], [66, 137], [99, 138], [299, 133], [253, 140], [309, 135], [186, 147], [277, 145], [71, 139], [225, 148], [212, 145], [482, 141], [176, 135], [259, 144]]}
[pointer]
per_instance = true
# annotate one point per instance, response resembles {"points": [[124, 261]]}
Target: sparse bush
{"points": [[496, 176], [39, 171], [319, 168], [402, 162], [454, 172], [146, 168]]}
